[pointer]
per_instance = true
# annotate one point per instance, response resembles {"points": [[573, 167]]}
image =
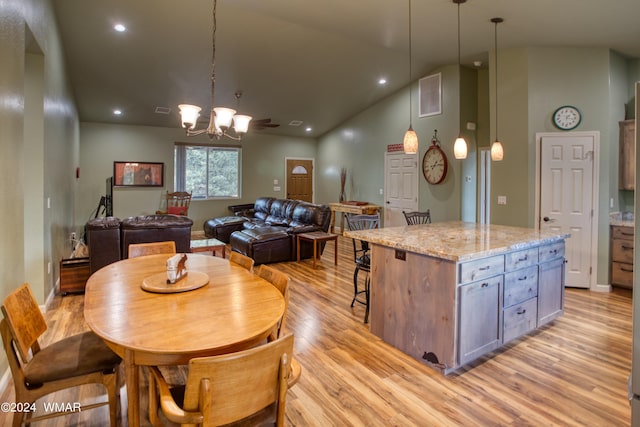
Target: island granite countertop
{"points": [[457, 240]]}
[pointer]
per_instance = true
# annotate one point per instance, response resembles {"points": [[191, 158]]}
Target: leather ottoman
{"points": [[267, 244], [221, 228]]}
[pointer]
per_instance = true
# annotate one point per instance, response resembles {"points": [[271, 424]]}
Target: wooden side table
{"points": [[209, 245], [315, 238], [343, 208]]}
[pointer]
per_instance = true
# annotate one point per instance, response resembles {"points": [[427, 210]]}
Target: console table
{"points": [[366, 209]]}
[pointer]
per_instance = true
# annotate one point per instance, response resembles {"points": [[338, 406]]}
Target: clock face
{"points": [[567, 117], [434, 165]]}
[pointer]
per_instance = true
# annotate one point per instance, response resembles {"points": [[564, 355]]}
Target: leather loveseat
{"points": [[109, 238], [267, 233]]}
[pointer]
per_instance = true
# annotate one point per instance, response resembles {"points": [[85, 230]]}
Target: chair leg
{"points": [[367, 284], [355, 286], [112, 383]]}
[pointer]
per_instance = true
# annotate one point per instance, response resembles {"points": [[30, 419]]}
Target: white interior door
{"points": [[401, 187], [567, 199]]}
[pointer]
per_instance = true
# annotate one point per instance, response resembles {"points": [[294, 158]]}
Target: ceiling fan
{"points": [[261, 124]]}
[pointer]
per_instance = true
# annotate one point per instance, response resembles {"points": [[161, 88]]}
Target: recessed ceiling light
{"points": [[120, 28], [117, 112], [295, 122], [382, 81], [308, 129]]}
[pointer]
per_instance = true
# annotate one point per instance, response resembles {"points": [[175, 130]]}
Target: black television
{"points": [[108, 198]]}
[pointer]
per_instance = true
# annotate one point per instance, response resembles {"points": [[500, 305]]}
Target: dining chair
{"points": [[242, 260], [154, 248], [361, 257], [281, 282], [416, 217], [248, 386], [38, 371], [176, 203]]}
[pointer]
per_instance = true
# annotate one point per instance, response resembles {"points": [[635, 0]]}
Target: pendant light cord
{"points": [[410, 95], [213, 53], [496, 73]]}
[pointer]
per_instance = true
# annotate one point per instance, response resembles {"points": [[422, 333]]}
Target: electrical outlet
{"points": [[502, 200]]}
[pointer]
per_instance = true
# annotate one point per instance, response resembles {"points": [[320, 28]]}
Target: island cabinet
{"points": [[453, 300]]}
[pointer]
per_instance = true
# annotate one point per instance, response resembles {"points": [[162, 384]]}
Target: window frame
{"points": [[179, 167]]}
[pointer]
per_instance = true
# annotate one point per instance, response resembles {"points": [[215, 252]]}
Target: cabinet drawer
{"points": [[520, 285], [520, 319], [622, 251], [481, 268], [621, 232], [517, 260], [552, 251], [74, 273], [622, 274]]}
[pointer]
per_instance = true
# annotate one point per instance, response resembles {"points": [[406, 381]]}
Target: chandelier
{"points": [[221, 118], [410, 142]]}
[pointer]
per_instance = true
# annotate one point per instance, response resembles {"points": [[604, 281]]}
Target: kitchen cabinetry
{"points": [[627, 160], [622, 256], [447, 294]]}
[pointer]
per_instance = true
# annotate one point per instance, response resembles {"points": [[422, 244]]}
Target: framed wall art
{"points": [[138, 174]]}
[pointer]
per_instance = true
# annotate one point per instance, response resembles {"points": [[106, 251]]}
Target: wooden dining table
{"points": [[235, 310]]}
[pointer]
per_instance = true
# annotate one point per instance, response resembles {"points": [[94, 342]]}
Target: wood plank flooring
{"points": [[572, 372]]}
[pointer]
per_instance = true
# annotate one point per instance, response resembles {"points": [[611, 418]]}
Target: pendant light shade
{"points": [[497, 151], [460, 148], [410, 143], [460, 145]]}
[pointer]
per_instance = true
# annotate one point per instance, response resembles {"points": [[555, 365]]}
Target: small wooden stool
{"points": [[208, 245], [318, 237]]}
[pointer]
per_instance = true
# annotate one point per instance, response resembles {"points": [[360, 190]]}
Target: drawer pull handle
{"points": [[521, 311], [484, 268], [626, 270], [555, 251], [626, 234], [526, 257], [484, 285], [522, 278], [627, 248]]}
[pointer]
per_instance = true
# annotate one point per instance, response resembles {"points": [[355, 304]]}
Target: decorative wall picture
{"points": [[138, 174], [430, 97]]}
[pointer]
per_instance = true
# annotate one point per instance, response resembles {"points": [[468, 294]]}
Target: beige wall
{"points": [[39, 144], [263, 160]]}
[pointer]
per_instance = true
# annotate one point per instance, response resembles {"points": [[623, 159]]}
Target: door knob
{"points": [[547, 219]]}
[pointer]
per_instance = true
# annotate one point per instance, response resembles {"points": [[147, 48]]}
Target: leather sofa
{"points": [[267, 233], [109, 238]]}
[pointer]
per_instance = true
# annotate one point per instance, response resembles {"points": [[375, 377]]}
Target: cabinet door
{"points": [[550, 290], [480, 318], [627, 166]]}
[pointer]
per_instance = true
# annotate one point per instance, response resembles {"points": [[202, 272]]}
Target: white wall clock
{"points": [[567, 117]]}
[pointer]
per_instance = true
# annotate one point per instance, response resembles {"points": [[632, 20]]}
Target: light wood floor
{"points": [[570, 373]]}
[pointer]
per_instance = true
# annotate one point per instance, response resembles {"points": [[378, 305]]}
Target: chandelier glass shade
{"points": [[410, 142], [221, 119], [460, 145]]}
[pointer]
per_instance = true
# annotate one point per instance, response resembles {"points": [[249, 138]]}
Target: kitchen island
{"points": [[448, 293]]}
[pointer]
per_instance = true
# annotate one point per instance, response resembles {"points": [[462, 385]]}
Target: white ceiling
{"points": [[308, 60]]}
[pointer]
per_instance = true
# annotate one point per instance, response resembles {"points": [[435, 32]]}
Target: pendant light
{"points": [[410, 143], [497, 151], [460, 145]]}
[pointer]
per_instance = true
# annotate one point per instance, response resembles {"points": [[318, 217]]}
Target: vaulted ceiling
{"points": [[317, 62]]}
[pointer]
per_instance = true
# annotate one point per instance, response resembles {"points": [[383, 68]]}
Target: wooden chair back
{"points": [[416, 217], [242, 260], [281, 282], [176, 203], [26, 322], [154, 248], [227, 388]]}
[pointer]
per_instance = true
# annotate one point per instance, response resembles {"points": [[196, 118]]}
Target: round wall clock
{"points": [[567, 117], [434, 163]]}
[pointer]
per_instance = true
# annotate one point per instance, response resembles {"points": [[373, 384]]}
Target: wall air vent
{"points": [[163, 110]]}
